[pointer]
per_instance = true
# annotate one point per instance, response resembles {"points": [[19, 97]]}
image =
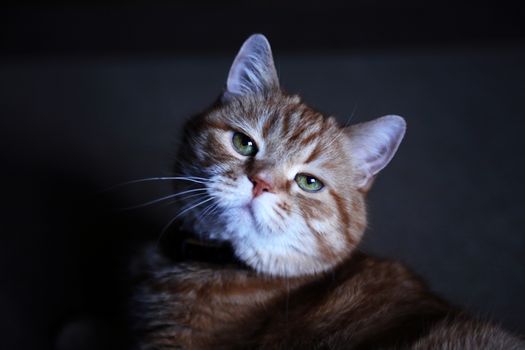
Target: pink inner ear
{"points": [[253, 70], [373, 144]]}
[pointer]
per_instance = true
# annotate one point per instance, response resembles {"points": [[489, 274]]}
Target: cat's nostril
{"points": [[259, 186]]}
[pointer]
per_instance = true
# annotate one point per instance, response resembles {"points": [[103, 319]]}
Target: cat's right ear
{"points": [[253, 70]]}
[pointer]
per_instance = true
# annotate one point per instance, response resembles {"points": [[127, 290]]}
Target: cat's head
{"points": [[285, 184]]}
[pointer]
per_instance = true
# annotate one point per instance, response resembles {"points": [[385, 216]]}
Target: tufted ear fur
{"points": [[372, 145], [253, 70]]}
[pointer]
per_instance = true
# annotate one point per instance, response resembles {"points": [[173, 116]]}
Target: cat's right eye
{"points": [[244, 145]]}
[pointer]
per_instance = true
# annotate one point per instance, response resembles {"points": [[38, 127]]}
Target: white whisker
{"points": [[208, 211], [193, 177], [162, 178], [165, 228], [165, 198]]}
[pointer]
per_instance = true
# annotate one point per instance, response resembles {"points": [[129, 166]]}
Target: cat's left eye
{"points": [[244, 145], [308, 183]]}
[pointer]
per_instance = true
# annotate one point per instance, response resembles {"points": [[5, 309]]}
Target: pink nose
{"points": [[260, 186]]}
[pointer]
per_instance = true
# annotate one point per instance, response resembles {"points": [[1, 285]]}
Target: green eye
{"points": [[308, 182], [244, 145]]}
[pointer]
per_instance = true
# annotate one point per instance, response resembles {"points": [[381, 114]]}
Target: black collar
{"points": [[181, 245]]}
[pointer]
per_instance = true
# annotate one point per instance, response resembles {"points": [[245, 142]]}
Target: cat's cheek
{"points": [[236, 195], [244, 191]]}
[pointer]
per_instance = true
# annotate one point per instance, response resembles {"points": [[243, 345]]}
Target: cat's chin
{"points": [[267, 249], [279, 265]]}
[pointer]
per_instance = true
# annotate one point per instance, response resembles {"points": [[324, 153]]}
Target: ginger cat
{"points": [[284, 186]]}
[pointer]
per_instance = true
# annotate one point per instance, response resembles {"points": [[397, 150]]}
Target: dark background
{"points": [[93, 94]]}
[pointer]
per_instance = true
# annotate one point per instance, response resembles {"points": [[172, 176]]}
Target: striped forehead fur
{"points": [[284, 122]]}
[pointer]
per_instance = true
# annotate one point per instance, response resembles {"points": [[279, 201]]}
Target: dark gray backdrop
{"points": [[450, 204]]}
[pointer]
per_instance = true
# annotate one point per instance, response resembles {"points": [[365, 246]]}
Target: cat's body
{"points": [[364, 303], [285, 188]]}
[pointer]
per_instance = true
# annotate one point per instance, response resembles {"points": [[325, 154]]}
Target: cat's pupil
{"points": [[246, 141]]}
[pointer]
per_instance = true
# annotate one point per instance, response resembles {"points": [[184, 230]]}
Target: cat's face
{"points": [[286, 184]]}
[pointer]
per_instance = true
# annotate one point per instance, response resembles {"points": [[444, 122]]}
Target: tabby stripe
{"points": [[287, 117], [267, 125], [314, 155], [316, 134], [218, 125], [324, 247], [343, 215]]}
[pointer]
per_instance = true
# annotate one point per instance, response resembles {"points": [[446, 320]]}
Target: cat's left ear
{"points": [[253, 70], [372, 145]]}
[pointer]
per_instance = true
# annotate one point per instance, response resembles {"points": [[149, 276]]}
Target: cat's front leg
{"points": [[164, 307], [189, 306]]}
